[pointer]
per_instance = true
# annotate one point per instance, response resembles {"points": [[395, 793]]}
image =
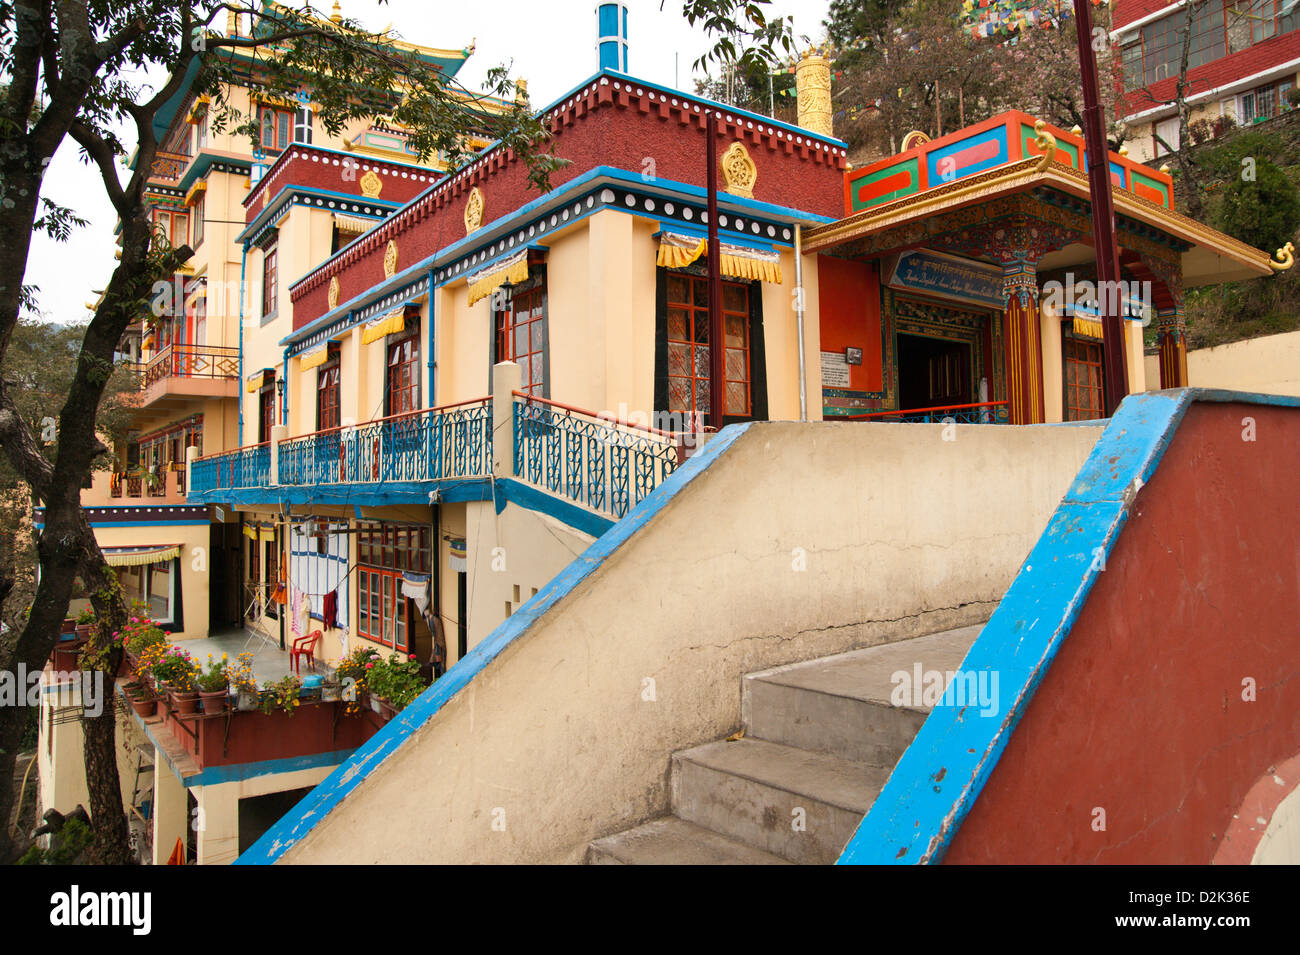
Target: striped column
{"points": [[1024, 349], [1171, 339]]}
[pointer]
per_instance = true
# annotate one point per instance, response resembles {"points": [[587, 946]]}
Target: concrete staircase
{"points": [[820, 740]]}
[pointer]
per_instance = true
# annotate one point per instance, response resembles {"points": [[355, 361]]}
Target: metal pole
{"points": [[1114, 367], [717, 347], [798, 313]]}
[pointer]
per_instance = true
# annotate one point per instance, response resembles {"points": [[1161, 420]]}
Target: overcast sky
{"points": [[550, 43]]}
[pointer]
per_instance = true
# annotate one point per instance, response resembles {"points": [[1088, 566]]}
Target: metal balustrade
{"points": [[242, 468], [448, 442], [605, 465], [192, 361], [986, 412]]}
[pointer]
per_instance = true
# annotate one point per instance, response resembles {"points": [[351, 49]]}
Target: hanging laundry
{"points": [[330, 610]]}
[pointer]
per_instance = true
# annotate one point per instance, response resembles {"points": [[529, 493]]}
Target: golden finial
{"points": [[1166, 170], [1286, 258], [337, 15], [1123, 150], [521, 91], [1076, 129], [1046, 142]]}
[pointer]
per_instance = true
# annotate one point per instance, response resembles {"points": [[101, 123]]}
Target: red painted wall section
{"points": [[319, 169], [602, 126], [1142, 713], [848, 297], [254, 736]]}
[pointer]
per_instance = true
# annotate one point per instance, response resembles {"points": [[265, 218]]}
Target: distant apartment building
{"points": [[1241, 66]]}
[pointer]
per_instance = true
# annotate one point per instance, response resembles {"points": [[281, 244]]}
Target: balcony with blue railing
{"points": [[604, 465], [431, 445]]}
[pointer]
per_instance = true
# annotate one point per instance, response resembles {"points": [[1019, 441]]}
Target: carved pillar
{"points": [[1023, 338], [812, 83], [1171, 338]]}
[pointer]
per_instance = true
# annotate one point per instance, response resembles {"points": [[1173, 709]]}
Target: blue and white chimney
{"points": [[611, 36]]}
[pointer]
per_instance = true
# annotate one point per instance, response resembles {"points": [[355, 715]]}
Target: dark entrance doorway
{"points": [[933, 372]]}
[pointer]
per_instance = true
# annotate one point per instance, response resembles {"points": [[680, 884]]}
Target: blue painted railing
{"points": [[605, 465], [243, 467], [429, 445]]}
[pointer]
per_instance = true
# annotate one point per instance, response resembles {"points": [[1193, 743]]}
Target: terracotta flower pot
{"points": [[65, 657], [186, 703], [144, 708], [214, 701], [387, 710]]}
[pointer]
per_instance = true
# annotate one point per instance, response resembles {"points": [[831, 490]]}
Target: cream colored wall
{"points": [[1053, 365], [218, 804], [1270, 365], [902, 533], [60, 754], [1280, 843], [511, 556], [781, 341], [1137, 375], [194, 540]]}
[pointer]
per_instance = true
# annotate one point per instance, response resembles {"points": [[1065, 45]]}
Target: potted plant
{"points": [[282, 694], [395, 682], [243, 682], [85, 623], [138, 633], [352, 673], [176, 671], [213, 683], [142, 699]]}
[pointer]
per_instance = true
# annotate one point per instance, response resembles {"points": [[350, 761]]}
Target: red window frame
{"points": [[521, 337], [276, 128], [265, 413], [403, 372], [327, 396], [689, 349], [1083, 380], [270, 280]]}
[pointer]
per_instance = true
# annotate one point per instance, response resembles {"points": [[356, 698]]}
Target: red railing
{"points": [[980, 412], [193, 361]]}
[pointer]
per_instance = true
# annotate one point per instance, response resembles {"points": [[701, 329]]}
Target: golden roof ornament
{"points": [[1286, 258], [739, 171], [474, 210], [1045, 141], [521, 92], [337, 15], [371, 185], [390, 259], [334, 292], [913, 139]]}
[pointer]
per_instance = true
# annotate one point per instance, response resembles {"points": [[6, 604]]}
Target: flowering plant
{"points": [[356, 667], [282, 693], [138, 633], [214, 677], [240, 673], [176, 668], [396, 680]]}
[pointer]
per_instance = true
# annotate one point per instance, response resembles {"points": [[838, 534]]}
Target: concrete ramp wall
{"points": [[777, 542]]}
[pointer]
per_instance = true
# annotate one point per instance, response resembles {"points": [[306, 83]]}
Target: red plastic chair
{"points": [[305, 647]]}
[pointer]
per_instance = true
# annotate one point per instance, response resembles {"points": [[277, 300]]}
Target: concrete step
{"points": [[841, 705], [673, 841], [800, 805]]}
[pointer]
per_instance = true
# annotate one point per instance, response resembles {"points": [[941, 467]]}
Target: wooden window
{"points": [[521, 336], [327, 396], [198, 221], [270, 281], [175, 225], [277, 125], [265, 413], [688, 346], [1083, 382], [385, 614], [404, 374]]}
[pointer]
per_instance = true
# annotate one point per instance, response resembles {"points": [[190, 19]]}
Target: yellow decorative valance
{"points": [[259, 381], [1091, 328], [354, 225], [137, 556], [196, 191], [485, 282], [390, 324], [735, 261], [313, 358]]}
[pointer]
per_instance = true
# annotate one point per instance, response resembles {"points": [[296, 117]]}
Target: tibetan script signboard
{"points": [[949, 276]]}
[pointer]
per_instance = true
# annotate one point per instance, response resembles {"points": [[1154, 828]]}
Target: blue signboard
{"points": [[949, 276]]}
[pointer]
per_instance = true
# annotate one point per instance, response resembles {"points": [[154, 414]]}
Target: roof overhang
{"points": [[1213, 257]]}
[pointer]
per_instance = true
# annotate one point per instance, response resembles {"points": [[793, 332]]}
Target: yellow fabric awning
{"points": [[1091, 327], [196, 190], [354, 225], [313, 358], [485, 282], [250, 532], [136, 556], [738, 262], [390, 324]]}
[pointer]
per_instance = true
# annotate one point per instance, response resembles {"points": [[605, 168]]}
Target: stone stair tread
{"points": [[865, 674], [673, 841], [828, 779]]}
